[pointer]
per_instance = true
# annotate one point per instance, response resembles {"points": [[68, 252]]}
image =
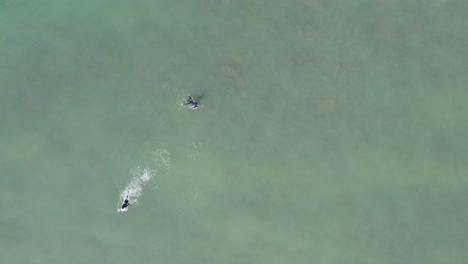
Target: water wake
{"points": [[160, 162]]}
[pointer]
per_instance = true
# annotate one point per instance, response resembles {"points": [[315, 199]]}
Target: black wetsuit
{"points": [[191, 103], [125, 204]]}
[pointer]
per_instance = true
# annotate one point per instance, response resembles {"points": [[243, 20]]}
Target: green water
{"points": [[329, 132]]}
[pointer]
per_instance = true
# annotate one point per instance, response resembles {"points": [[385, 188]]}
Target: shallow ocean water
{"points": [[328, 132]]}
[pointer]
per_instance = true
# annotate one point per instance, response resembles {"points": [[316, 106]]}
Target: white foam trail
{"points": [[162, 159], [140, 176], [133, 190]]}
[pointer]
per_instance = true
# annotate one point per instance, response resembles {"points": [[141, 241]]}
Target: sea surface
{"points": [[328, 131]]}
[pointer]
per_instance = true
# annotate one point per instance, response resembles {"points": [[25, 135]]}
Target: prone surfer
{"points": [[125, 205], [190, 102]]}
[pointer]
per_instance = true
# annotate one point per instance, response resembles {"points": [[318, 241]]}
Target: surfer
{"points": [[190, 102], [125, 204]]}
